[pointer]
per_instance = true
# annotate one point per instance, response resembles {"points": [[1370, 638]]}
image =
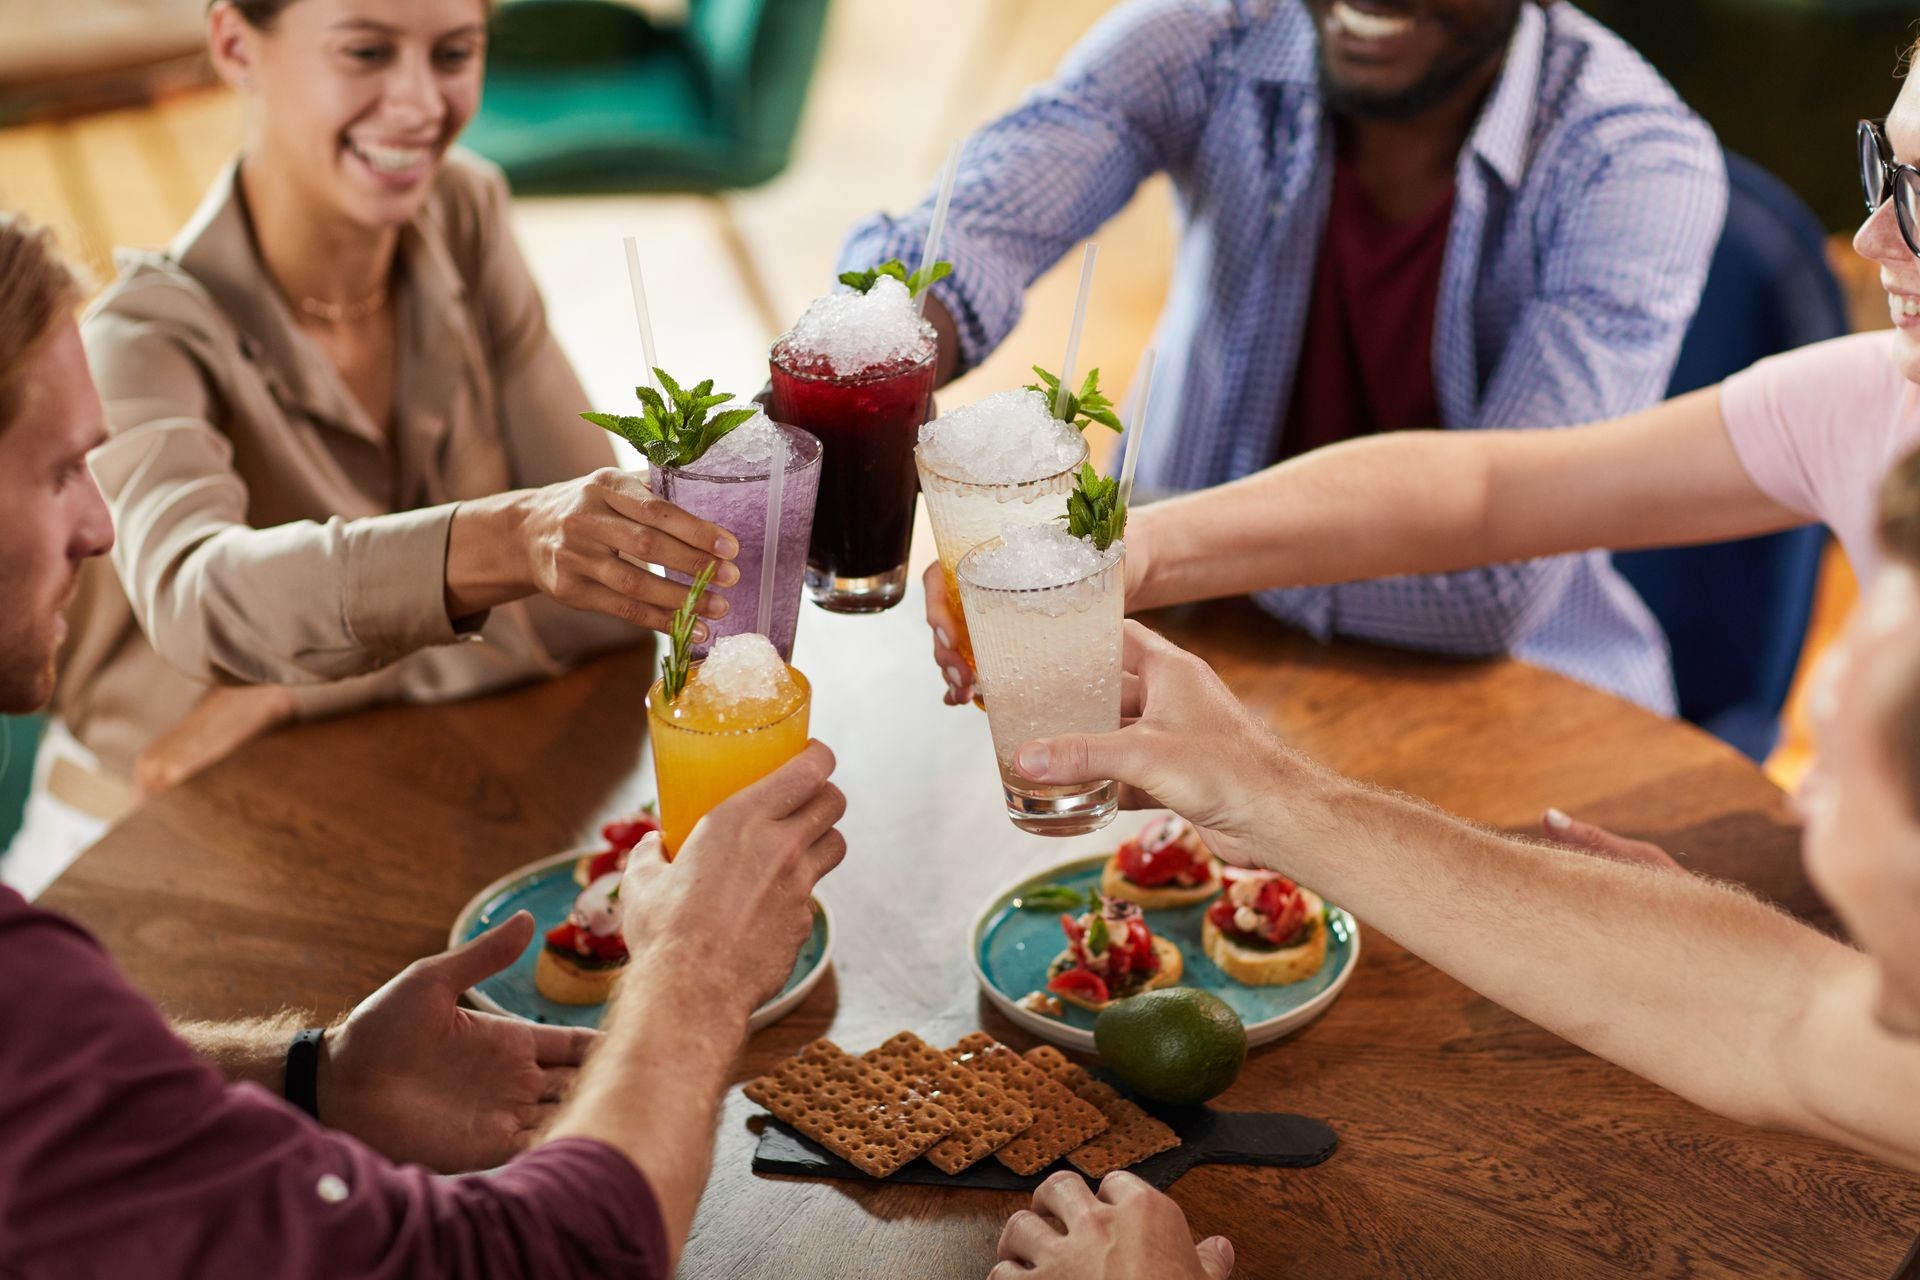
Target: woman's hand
{"points": [[220, 723], [1186, 744], [585, 543]]}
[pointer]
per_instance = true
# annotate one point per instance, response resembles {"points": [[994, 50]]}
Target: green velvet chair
{"points": [[19, 739], [588, 95]]}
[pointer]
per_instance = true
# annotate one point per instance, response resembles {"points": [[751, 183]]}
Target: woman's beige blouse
{"points": [[268, 531]]}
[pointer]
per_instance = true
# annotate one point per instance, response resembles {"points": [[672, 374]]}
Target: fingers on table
{"points": [[1065, 1197], [1025, 1236]]}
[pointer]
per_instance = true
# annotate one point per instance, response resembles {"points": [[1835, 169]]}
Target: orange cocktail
{"points": [[740, 717]]}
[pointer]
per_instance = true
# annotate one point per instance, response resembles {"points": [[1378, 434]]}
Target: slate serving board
{"points": [[1206, 1137]]}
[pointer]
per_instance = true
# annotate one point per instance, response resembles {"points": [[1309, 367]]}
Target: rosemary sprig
{"points": [[917, 283], [1094, 509], [1081, 410], [673, 672], [674, 430]]}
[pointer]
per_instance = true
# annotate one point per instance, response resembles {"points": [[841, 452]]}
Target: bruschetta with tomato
{"points": [[1110, 955], [585, 954], [1266, 931], [1165, 865]]}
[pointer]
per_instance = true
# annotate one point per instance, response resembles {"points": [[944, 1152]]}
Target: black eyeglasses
{"points": [[1880, 177]]}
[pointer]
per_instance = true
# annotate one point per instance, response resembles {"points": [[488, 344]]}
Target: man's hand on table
{"points": [[423, 1080], [1128, 1231]]}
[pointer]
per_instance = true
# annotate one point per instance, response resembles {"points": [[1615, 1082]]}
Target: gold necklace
{"points": [[343, 312]]}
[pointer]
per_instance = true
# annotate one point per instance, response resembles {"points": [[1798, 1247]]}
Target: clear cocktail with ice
{"points": [[731, 485], [857, 372], [1005, 460], [743, 714], [1045, 608]]}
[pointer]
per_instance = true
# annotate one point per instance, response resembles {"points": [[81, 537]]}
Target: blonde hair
{"points": [[38, 289]]}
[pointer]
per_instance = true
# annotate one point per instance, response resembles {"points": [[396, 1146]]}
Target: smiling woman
{"points": [[342, 436]]}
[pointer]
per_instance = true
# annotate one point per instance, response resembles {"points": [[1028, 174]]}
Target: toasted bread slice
{"points": [[564, 980], [1114, 884], [1171, 967], [1268, 966]]}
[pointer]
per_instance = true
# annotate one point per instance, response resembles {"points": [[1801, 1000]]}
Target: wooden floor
{"points": [[725, 274]]}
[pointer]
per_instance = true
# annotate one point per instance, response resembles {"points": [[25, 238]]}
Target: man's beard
{"points": [[26, 680], [1485, 45]]}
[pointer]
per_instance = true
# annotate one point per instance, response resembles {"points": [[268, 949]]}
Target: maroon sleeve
{"points": [[121, 1152]]}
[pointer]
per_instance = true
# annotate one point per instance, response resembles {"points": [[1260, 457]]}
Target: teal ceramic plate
{"points": [[1012, 949], [546, 888]]}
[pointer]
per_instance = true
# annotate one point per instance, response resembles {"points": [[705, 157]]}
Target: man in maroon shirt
{"points": [[125, 1152]]}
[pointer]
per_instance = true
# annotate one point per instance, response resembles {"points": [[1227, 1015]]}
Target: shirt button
{"points": [[332, 1188]]}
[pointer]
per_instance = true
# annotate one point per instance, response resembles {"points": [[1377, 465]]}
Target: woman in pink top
{"points": [[1799, 437]]}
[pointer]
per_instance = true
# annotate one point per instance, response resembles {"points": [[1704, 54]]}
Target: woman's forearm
{"points": [[1423, 502], [1355, 510], [487, 561]]}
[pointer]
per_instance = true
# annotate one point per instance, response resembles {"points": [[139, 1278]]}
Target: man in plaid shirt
{"points": [[1393, 214]]}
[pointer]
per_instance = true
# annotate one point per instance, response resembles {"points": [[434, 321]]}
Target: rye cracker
{"points": [[853, 1109], [1131, 1136], [987, 1116], [1061, 1121]]}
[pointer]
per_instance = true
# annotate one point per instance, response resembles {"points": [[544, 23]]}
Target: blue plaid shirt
{"points": [[1588, 201]]}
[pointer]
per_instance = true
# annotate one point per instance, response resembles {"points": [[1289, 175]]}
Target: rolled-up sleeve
{"points": [[296, 603], [118, 1144]]}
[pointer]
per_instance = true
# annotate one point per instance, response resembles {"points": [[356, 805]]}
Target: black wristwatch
{"points": [[303, 1071]]}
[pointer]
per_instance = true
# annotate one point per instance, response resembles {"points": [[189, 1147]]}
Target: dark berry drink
{"points": [[867, 423]]}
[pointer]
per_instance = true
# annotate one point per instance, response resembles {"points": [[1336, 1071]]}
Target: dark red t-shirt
{"points": [[1366, 362], [121, 1153]]}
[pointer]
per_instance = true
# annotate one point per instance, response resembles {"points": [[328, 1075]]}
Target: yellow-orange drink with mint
{"points": [[743, 714]]}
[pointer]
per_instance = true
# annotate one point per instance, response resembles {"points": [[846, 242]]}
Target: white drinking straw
{"points": [[930, 254], [1135, 430], [770, 553], [1073, 335], [640, 307]]}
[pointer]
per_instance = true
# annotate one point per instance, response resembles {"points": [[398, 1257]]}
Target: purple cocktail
{"points": [[857, 371], [731, 485]]}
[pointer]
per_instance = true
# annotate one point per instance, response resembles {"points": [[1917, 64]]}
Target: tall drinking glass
{"points": [[736, 497], [704, 750], [867, 424], [964, 515], [1049, 663]]}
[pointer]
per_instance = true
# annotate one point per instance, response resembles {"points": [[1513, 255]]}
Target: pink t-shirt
{"points": [[1819, 428]]}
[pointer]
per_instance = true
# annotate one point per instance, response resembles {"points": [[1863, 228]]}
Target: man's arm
{"points": [[679, 1017], [1129, 101], [247, 1049], [1694, 985], [1427, 502]]}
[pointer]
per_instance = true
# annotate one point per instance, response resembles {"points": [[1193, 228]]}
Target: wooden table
{"points": [[1472, 1143]]}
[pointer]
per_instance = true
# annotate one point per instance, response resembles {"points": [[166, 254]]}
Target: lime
{"points": [[1177, 1045]]}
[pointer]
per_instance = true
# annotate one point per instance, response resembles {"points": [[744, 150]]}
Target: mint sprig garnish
{"points": [[1094, 509], [673, 672], [674, 430], [917, 283], [1081, 410], [1048, 897]]}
